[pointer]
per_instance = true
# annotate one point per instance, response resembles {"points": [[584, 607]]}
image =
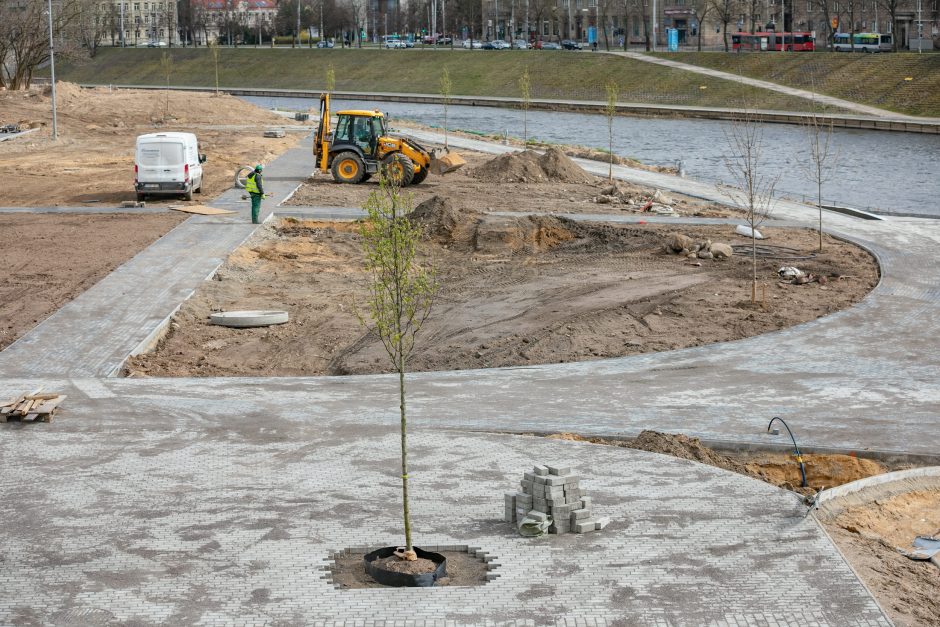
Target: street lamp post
{"points": [[55, 126]]}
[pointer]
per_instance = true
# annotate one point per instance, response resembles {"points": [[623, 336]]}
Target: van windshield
{"points": [[160, 153]]}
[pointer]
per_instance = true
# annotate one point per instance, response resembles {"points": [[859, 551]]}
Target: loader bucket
{"points": [[447, 162]]}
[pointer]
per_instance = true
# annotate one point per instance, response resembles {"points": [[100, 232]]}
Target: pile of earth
{"points": [[473, 231], [531, 167]]}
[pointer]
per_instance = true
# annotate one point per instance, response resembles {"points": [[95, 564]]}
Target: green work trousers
{"points": [[255, 207]]}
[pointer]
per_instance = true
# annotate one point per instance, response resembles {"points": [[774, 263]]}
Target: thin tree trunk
{"points": [[404, 454]]}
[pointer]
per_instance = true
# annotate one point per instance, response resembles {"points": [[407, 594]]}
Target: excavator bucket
{"points": [[448, 162]]}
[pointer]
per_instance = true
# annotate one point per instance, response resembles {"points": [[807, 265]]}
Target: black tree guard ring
{"points": [[402, 580]]}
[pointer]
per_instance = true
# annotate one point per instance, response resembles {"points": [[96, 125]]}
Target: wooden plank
{"points": [[41, 397], [48, 407]]}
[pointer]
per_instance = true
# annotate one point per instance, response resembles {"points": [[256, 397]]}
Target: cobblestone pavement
{"points": [[175, 516], [217, 501]]}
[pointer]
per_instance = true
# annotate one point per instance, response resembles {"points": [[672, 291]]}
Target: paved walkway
{"points": [[219, 501], [777, 87], [160, 510]]}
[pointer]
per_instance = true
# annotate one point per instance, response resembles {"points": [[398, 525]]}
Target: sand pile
{"points": [[531, 167]]}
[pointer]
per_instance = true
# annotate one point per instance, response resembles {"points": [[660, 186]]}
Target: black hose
{"points": [[796, 448]]}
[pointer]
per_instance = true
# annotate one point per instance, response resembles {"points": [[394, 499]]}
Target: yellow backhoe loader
{"points": [[360, 146]]}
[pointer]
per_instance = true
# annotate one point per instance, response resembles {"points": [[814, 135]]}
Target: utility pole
{"points": [[55, 125], [122, 24], [654, 25]]}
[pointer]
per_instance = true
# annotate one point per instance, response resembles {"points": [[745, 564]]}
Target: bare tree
{"points": [[725, 11], [892, 7], [823, 159], [446, 90], [90, 24], [166, 64], [702, 9], [525, 91], [24, 38], [754, 189], [215, 51], [610, 110]]}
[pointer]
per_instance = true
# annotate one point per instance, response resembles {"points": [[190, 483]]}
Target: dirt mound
{"points": [[531, 167], [684, 447], [445, 224], [529, 234]]}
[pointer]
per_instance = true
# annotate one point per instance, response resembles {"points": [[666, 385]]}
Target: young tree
{"points": [[823, 159], [610, 110], [446, 91], [330, 79], [525, 90], [725, 12], [215, 51], [400, 296], [166, 63], [754, 189]]}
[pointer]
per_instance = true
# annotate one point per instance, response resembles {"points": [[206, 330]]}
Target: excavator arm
{"points": [[321, 143]]}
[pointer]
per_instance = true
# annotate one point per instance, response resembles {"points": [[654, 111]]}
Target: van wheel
{"points": [[199, 189], [189, 194]]}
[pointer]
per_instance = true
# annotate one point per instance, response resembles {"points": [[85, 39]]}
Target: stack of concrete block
{"points": [[553, 493]]}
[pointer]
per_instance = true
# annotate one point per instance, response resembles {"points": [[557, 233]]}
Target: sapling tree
{"points": [[525, 91], [823, 159], [330, 79], [754, 189], [401, 292], [166, 63], [446, 91], [215, 50], [610, 110]]}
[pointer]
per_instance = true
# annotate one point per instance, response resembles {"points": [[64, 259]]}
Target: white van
{"points": [[168, 164]]}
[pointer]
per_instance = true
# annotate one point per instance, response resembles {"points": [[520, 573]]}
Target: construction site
{"points": [[615, 319]]}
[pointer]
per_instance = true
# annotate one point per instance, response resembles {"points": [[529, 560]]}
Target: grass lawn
{"points": [[878, 80], [554, 74]]}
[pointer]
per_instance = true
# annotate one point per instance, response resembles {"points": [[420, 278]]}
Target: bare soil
{"points": [[49, 259], [513, 290], [515, 183], [93, 159], [869, 535], [463, 569]]}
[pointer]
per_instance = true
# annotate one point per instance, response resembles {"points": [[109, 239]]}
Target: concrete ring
{"points": [[248, 319]]}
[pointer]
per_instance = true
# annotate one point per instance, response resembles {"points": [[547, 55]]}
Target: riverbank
{"points": [[907, 83], [554, 75]]}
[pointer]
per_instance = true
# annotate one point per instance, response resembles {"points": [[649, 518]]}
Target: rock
{"points": [[721, 251], [604, 199], [705, 255], [692, 255], [679, 242], [662, 198], [747, 232], [662, 210]]}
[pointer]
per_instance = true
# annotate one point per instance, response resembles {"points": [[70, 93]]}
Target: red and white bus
{"points": [[770, 42]]}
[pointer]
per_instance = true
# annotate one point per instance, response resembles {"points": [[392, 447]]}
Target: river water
{"points": [[894, 173]]}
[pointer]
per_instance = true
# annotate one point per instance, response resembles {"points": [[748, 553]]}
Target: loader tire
{"points": [[419, 176], [398, 169], [348, 168]]}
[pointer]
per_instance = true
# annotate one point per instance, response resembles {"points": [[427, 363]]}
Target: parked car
{"points": [[488, 45], [520, 44], [570, 44], [496, 44], [444, 41], [168, 164], [395, 43], [324, 43], [476, 44], [156, 44], [409, 44], [548, 45]]}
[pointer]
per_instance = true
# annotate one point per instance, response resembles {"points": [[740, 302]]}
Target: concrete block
{"points": [[542, 508], [528, 476], [580, 514], [510, 499], [571, 479], [539, 480], [584, 526], [555, 527], [601, 522], [554, 480], [559, 470], [586, 501], [540, 470]]}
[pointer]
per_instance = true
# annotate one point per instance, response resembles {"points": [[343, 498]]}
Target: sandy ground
{"points": [[868, 535], [509, 190], [93, 159], [513, 290], [39, 277]]}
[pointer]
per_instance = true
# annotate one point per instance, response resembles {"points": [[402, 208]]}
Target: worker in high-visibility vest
{"points": [[254, 185]]}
